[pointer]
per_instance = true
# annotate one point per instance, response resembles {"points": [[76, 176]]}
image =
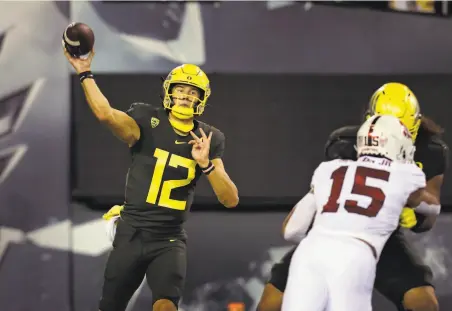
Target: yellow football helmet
{"points": [[398, 100], [191, 75]]}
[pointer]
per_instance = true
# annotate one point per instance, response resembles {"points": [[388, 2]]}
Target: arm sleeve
{"points": [[304, 213], [301, 219], [416, 177]]}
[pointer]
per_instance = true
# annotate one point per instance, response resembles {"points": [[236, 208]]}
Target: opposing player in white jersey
{"points": [[353, 207]]}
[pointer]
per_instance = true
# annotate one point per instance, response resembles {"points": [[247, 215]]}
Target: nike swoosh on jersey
{"points": [[180, 142]]}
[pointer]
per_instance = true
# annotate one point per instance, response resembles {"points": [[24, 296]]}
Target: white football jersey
{"points": [[363, 198]]}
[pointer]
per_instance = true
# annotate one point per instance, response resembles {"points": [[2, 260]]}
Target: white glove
{"points": [[110, 227]]}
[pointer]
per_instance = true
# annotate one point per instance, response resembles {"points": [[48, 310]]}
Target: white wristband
{"points": [[428, 209]]}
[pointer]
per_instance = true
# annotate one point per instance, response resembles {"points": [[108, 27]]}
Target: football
{"points": [[78, 39]]}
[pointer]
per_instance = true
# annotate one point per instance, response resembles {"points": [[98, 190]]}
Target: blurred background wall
{"points": [[284, 74]]}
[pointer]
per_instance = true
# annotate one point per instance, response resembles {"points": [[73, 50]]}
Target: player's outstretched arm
{"points": [[421, 196], [221, 183], [123, 126], [426, 204], [224, 188], [437, 164], [297, 223]]}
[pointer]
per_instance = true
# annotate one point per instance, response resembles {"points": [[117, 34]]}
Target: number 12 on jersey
{"points": [[376, 195], [168, 185]]}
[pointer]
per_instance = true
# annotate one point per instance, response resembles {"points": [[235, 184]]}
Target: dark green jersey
{"points": [[162, 176]]}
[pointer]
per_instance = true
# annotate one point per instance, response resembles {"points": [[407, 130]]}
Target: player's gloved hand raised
{"points": [[408, 218], [114, 211], [201, 148], [80, 65]]}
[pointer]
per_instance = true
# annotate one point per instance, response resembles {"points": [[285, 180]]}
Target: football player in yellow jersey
{"points": [[401, 275], [170, 150]]}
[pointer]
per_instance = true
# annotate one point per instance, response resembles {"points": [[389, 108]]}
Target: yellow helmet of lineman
{"points": [[398, 100], [191, 75]]}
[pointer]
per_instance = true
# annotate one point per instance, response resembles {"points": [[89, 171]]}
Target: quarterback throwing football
{"points": [[170, 151]]}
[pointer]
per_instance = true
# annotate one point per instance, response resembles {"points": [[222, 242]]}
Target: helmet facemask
{"points": [[195, 104], [190, 75]]}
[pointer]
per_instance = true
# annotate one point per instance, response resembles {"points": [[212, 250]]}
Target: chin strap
{"points": [[183, 113], [181, 126]]}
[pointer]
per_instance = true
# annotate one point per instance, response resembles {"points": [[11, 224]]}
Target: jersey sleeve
{"points": [[141, 113], [218, 144], [301, 219], [438, 157], [341, 144], [416, 178], [316, 176]]}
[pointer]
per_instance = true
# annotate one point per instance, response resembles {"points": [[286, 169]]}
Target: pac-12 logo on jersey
{"points": [[154, 122]]}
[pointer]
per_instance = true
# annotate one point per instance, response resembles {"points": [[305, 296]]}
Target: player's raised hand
{"points": [[80, 64], [201, 148]]}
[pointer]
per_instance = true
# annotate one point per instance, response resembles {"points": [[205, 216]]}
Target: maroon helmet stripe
{"points": [[371, 129]]}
